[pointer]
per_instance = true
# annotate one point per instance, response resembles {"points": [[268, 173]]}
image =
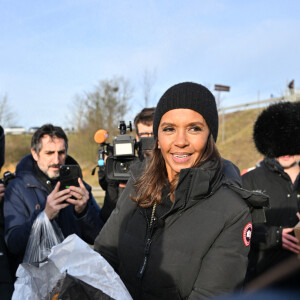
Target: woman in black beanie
{"points": [[181, 229]]}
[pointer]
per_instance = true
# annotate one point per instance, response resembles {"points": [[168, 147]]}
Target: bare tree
{"points": [[7, 117], [76, 120], [104, 107], [148, 81]]}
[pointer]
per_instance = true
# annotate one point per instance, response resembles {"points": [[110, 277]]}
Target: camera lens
{"points": [[64, 171], [122, 167]]}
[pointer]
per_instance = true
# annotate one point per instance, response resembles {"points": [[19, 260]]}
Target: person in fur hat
{"points": [[276, 136]]}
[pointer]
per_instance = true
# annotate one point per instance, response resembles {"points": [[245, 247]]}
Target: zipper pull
{"points": [[143, 267]]}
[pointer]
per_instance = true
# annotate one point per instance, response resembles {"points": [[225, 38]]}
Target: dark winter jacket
{"points": [[25, 197], [266, 245], [196, 249], [6, 278], [112, 192]]}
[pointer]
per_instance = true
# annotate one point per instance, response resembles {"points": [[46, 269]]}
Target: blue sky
{"points": [[51, 51]]}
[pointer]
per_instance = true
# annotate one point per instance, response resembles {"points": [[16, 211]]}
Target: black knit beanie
{"points": [[277, 130], [191, 96]]}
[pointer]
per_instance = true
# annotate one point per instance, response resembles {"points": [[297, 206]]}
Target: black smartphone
{"points": [[69, 175]]}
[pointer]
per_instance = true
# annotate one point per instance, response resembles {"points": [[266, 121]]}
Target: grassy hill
{"points": [[236, 146]]}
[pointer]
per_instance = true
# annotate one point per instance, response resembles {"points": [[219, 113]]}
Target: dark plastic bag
{"points": [[75, 289], [43, 236]]}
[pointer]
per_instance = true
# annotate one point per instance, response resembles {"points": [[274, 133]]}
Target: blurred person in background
{"points": [[276, 136]]}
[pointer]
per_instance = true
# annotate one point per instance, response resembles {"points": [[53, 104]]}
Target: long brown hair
{"points": [[151, 183]]}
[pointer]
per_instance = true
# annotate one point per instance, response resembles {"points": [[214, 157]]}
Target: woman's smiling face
{"points": [[182, 138]]}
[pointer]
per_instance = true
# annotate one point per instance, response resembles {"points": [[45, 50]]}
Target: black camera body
{"points": [[7, 177], [123, 156], [124, 152]]}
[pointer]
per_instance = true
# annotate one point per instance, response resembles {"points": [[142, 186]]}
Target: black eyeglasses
{"points": [[145, 134]]}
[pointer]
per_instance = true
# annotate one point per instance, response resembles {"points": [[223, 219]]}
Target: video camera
{"points": [[7, 176], [124, 151]]}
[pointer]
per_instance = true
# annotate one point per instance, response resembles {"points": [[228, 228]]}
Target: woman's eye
{"points": [[196, 128], [168, 129]]}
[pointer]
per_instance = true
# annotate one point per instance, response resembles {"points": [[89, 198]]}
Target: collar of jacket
{"points": [[274, 166], [197, 183], [200, 182]]}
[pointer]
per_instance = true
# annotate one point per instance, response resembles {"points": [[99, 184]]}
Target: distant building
{"points": [[14, 130], [32, 130]]}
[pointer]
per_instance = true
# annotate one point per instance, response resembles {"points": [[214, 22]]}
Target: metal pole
{"points": [[223, 126], [223, 118]]}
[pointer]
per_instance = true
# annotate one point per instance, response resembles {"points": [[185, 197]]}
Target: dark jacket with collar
{"points": [[25, 197], [6, 278], [6, 281], [196, 248], [266, 245]]}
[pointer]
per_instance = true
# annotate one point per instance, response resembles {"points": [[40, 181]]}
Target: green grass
{"points": [[238, 145]]}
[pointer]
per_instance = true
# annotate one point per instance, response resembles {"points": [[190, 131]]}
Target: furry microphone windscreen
{"points": [[277, 130]]}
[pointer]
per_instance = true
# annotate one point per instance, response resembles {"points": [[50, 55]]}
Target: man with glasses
{"points": [[143, 125]]}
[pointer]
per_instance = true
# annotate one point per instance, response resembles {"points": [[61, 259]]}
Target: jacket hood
{"points": [[208, 178]]}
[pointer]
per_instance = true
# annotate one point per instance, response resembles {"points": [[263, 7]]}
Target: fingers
{"points": [[2, 187], [58, 196], [290, 242], [56, 201], [288, 245], [2, 190], [56, 188], [287, 230], [80, 193], [298, 215], [81, 184]]}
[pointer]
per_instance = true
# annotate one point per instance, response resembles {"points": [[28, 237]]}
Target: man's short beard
{"points": [[56, 174], [52, 176]]}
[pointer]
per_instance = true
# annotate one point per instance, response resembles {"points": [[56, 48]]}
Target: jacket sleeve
{"points": [[107, 241], [18, 220], [264, 236], [224, 266], [90, 223], [5, 272]]}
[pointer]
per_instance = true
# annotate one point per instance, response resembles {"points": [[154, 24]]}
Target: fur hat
{"points": [[277, 130], [191, 96]]}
